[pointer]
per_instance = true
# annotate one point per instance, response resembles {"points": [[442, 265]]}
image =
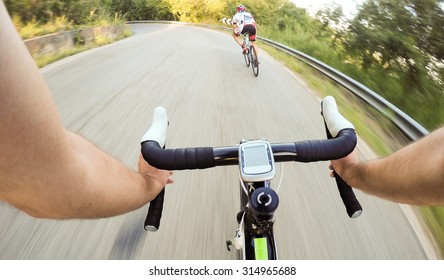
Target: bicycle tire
{"points": [[254, 62]]}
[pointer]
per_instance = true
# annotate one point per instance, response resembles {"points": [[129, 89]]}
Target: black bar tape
{"points": [[174, 159], [351, 203], [321, 150], [152, 221], [177, 159]]}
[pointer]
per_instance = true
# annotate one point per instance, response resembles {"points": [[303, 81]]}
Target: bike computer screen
{"points": [[256, 161]]}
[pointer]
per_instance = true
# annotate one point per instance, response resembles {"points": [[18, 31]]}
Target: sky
{"points": [[312, 6]]}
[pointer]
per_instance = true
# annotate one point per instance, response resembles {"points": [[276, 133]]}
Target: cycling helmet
{"points": [[240, 8]]}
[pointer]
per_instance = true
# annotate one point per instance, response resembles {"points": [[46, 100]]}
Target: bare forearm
{"points": [[84, 183], [107, 187], [413, 175]]}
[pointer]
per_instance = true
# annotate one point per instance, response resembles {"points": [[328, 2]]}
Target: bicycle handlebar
{"points": [[341, 141], [334, 122]]}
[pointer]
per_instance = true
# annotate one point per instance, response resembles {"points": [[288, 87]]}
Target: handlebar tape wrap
{"points": [[321, 150], [178, 159], [157, 133], [152, 221], [351, 203], [336, 124]]}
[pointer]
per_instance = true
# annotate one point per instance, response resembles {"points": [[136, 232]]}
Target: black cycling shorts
{"points": [[251, 30]]}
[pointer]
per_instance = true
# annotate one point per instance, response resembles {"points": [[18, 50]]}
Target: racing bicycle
{"points": [[250, 55], [256, 158]]}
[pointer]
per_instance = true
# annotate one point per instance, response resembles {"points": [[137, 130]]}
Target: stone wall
{"points": [[53, 43]]}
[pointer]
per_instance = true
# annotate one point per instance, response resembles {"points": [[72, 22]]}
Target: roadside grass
{"points": [[434, 217], [35, 29], [44, 60], [372, 126]]}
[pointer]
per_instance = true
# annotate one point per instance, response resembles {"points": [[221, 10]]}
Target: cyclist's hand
{"points": [[156, 178], [341, 165]]}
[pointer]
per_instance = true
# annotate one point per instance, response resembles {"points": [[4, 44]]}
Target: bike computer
{"points": [[256, 162]]}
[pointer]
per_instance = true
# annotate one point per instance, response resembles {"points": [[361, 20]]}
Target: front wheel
{"points": [[247, 59], [254, 62]]}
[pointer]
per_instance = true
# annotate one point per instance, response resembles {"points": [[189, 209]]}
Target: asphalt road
{"points": [[107, 95]]}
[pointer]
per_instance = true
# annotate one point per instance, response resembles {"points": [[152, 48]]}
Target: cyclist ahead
{"points": [[243, 22]]}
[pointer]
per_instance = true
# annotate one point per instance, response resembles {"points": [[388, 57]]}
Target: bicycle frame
{"points": [[247, 45], [255, 237], [251, 56]]}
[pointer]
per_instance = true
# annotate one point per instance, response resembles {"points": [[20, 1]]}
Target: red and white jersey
{"points": [[241, 19]]}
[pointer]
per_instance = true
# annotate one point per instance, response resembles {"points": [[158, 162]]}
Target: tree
{"points": [[157, 9], [399, 35], [44, 11], [331, 14]]}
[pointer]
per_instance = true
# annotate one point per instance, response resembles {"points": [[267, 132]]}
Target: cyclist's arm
{"points": [[237, 18], [45, 170], [412, 175]]}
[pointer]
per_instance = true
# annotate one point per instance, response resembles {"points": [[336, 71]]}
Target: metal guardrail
{"points": [[408, 126]]}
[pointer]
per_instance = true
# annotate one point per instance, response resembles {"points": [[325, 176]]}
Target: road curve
{"points": [[107, 95]]}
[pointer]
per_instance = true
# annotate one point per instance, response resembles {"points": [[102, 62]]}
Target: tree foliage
{"points": [[331, 14], [404, 40], [400, 35], [78, 11]]}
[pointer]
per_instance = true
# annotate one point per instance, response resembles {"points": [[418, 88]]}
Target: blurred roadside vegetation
{"points": [[34, 18], [394, 47]]}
